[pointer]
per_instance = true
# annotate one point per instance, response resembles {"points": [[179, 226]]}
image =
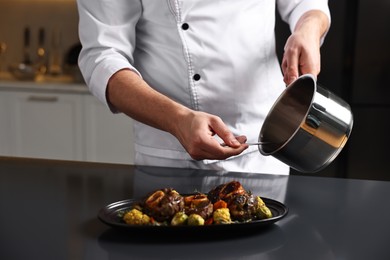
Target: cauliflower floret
{"points": [[222, 216], [262, 211], [180, 218], [136, 217], [195, 220]]}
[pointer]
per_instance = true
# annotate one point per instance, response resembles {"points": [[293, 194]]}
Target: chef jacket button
{"points": [[196, 77], [185, 26]]}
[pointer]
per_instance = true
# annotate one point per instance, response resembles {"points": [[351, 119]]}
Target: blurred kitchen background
{"points": [[27, 25], [52, 115]]}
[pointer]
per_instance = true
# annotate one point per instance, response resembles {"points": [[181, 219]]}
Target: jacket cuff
{"points": [[102, 74]]}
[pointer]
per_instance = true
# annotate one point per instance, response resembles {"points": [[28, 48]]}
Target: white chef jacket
{"points": [[216, 56]]}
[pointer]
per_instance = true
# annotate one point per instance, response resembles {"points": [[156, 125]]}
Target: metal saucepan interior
{"points": [[286, 116], [307, 127]]}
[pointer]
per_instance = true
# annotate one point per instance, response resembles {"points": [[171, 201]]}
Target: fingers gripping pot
{"points": [[307, 127]]}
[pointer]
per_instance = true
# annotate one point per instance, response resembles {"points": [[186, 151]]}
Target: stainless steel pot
{"points": [[307, 127]]}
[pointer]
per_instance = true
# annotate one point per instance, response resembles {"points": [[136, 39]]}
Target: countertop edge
{"points": [[52, 87]]}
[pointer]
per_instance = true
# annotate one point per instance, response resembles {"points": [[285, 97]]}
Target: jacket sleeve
{"points": [[107, 34], [291, 10]]}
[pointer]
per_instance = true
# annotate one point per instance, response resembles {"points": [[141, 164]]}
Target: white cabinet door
{"points": [[109, 137], [63, 126], [5, 125], [45, 125]]}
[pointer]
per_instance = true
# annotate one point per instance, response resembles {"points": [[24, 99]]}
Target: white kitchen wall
{"points": [[52, 15]]}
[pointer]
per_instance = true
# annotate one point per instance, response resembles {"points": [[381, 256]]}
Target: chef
{"points": [[194, 74]]}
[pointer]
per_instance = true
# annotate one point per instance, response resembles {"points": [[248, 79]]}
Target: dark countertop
{"points": [[48, 210]]}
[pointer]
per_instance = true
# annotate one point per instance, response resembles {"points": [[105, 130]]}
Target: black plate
{"points": [[109, 216]]}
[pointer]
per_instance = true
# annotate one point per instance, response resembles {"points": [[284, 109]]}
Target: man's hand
{"points": [[196, 133], [302, 49]]}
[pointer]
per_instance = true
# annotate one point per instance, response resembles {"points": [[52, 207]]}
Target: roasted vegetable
{"points": [[209, 221], [180, 218], [262, 211], [198, 204], [222, 216], [219, 205], [136, 217], [195, 220], [163, 204]]}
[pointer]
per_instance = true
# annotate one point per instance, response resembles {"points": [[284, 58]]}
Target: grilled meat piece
{"points": [[198, 204], [163, 204], [226, 192], [242, 205]]}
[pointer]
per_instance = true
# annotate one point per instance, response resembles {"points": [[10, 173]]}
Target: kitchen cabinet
{"points": [[108, 136], [43, 125], [62, 123], [4, 125]]}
